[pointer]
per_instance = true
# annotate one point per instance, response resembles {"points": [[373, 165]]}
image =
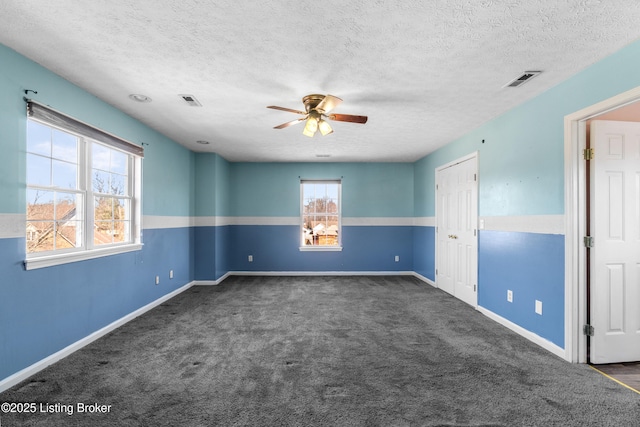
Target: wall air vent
{"points": [[191, 100], [520, 80]]}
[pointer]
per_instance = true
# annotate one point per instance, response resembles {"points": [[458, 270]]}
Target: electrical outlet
{"points": [[539, 307], [157, 280], [510, 295], [397, 258], [170, 274], [250, 258]]}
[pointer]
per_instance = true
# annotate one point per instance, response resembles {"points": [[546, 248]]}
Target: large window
{"points": [[321, 215], [83, 190]]}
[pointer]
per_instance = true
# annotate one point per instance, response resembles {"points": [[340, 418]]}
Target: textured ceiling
{"points": [[424, 72]]}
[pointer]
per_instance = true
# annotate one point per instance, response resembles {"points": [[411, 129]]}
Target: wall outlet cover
{"points": [[539, 307]]}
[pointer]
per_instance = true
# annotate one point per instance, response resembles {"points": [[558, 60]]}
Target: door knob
{"points": [[453, 236]]}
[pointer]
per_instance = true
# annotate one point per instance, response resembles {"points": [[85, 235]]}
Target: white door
{"points": [[615, 256], [456, 219]]}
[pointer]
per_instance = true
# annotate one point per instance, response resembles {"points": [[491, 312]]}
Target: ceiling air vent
{"points": [[520, 80], [191, 100]]}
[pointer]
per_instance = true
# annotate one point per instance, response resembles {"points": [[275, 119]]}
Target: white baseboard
{"points": [[313, 273], [318, 273], [22, 375], [536, 339], [212, 282], [424, 279]]}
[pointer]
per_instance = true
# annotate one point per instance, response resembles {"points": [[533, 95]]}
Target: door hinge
{"points": [[588, 330], [588, 242], [436, 271], [474, 287], [475, 177], [588, 153]]}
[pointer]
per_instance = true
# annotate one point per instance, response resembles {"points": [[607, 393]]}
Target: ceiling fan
{"points": [[317, 111]]}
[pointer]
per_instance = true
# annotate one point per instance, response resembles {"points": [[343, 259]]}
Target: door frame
{"points": [[575, 298], [471, 156]]}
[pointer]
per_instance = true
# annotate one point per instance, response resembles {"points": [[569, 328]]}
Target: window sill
{"points": [[320, 248], [59, 259]]}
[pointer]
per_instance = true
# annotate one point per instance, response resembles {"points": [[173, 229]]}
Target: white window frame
{"points": [[320, 248], [87, 249]]}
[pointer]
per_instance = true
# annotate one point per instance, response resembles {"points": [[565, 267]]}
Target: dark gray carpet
{"points": [[325, 351]]}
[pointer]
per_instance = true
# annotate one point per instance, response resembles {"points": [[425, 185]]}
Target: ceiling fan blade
{"points": [[275, 107], [292, 122], [328, 103], [347, 118]]}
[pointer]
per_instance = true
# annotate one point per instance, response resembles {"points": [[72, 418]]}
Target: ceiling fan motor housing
{"points": [[311, 101]]}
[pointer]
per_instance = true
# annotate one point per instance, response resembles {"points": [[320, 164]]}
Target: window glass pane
{"points": [[320, 224], [308, 205], [103, 226], [332, 191], [100, 181], [112, 223], [319, 190], [117, 184], [53, 220], [65, 175], [327, 233], [332, 206], [68, 234], [39, 204], [38, 170], [120, 231], [319, 204], [103, 232], [39, 236], [120, 209], [103, 208], [40, 225], [119, 162], [38, 138], [65, 146], [65, 208], [100, 157]]}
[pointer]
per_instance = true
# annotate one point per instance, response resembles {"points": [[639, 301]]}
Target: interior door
{"points": [[457, 217], [615, 255]]}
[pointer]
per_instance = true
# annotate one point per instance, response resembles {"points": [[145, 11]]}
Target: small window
{"points": [[321, 215], [82, 194]]}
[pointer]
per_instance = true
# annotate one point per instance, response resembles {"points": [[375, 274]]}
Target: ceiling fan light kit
{"points": [[311, 127], [325, 128], [317, 110]]}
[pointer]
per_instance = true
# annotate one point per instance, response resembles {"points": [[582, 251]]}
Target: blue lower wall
{"points": [[205, 253], [211, 252], [277, 248], [424, 252], [532, 266], [222, 255], [43, 311]]}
